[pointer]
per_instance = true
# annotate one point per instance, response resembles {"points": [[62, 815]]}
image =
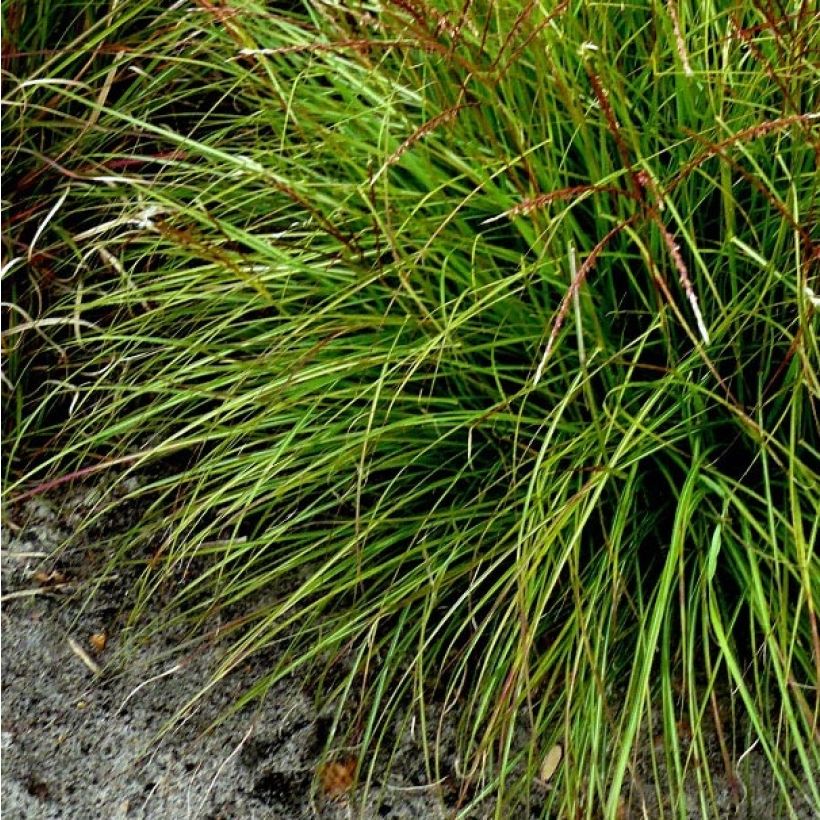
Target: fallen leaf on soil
{"points": [[36, 788], [551, 762], [49, 579], [336, 777], [98, 641]]}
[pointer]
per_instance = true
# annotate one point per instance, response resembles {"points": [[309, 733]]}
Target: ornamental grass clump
{"points": [[471, 349]]}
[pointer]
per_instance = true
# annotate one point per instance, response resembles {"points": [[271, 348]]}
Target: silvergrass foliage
{"points": [[473, 349]]}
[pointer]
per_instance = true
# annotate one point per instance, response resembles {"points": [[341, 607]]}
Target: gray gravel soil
{"points": [[76, 744], [80, 745]]}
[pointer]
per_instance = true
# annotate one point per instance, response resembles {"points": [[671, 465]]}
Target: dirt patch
{"points": [[78, 744], [84, 745]]}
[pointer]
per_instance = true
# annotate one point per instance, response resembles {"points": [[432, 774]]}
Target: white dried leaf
{"points": [[551, 762]]}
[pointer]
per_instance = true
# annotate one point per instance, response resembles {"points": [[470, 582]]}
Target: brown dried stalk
{"points": [[362, 45], [672, 7], [556, 12], [683, 274], [519, 21], [575, 285], [752, 133], [772, 72], [426, 128], [526, 206], [718, 149], [614, 128]]}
